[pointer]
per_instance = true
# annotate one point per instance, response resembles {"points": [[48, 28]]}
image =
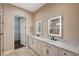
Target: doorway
{"points": [[19, 32]]}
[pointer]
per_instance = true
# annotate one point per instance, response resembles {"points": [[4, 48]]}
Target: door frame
{"points": [[2, 34]]}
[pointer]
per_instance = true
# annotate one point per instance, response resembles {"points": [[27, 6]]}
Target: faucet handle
{"points": [[53, 38]]}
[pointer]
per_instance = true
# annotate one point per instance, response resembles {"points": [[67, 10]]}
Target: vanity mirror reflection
{"points": [[39, 27], [54, 26]]}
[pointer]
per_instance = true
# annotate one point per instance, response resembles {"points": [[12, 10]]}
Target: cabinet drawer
{"points": [[62, 52]]}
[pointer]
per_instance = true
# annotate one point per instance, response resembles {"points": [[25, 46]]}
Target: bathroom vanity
{"points": [[45, 47]]}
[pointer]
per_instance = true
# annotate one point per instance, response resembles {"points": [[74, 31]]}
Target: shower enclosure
{"points": [[19, 32]]}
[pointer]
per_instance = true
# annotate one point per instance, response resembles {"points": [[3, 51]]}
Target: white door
{"points": [[23, 31], [0, 35]]}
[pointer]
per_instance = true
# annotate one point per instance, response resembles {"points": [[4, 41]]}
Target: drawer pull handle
{"points": [[32, 42], [65, 54], [1, 33], [47, 51]]}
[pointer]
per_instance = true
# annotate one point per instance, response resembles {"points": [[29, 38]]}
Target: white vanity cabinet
{"points": [[62, 52], [42, 48], [45, 49]]}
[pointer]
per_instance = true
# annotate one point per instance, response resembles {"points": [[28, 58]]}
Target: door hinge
{"points": [[1, 33], [25, 42], [2, 49]]}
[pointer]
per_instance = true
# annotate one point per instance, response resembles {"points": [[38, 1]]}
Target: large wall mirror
{"points": [[54, 26], [39, 27]]}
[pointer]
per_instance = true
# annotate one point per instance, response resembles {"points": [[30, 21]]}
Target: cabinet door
{"points": [[62, 52], [49, 50], [37, 46]]}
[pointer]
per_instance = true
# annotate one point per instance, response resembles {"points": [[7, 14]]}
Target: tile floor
{"points": [[21, 52]]}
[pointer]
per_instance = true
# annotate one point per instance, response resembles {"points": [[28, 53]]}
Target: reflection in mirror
{"points": [[54, 26], [39, 28]]}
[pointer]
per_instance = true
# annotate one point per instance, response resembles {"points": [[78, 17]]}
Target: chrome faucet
{"points": [[53, 39]]}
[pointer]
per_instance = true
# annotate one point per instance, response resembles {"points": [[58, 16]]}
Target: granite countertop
{"points": [[63, 45]]}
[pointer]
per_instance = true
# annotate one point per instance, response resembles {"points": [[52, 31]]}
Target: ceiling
{"points": [[32, 7]]}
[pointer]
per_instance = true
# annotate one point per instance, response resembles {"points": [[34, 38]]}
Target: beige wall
{"points": [[70, 13], [9, 12]]}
